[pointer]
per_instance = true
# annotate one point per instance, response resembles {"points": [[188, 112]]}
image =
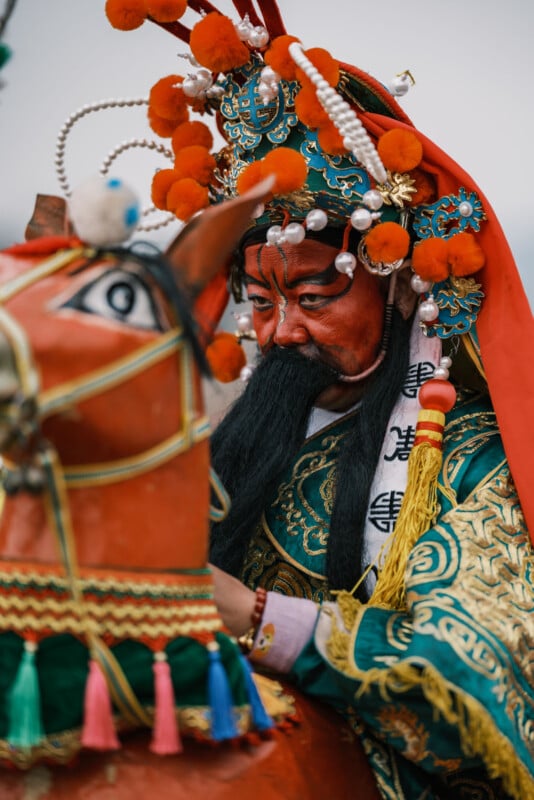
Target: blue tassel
{"points": [[25, 727], [262, 721], [220, 697]]}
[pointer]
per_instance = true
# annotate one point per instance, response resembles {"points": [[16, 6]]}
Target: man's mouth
{"points": [[312, 352]]}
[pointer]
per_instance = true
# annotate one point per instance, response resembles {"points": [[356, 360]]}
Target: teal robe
{"points": [[441, 694]]}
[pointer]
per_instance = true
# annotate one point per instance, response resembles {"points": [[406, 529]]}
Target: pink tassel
{"points": [[98, 728], [165, 736]]}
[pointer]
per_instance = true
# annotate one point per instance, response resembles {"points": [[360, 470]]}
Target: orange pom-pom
{"points": [[430, 259], [186, 197], [189, 133], [327, 66], [226, 357], [163, 127], [288, 166], [161, 183], [425, 186], [167, 99], [277, 56], [465, 254], [215, 44], [249, 177], [386, 243], [330, 139], [400, 150], [308, 108], [126, 15], [195, 162], [166, 10]]}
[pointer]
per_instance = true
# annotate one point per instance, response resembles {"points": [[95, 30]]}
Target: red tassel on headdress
{"points": [[165, 735], [98, 729]]}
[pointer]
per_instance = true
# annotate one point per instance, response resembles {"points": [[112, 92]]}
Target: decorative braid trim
{"points": [[117, 606]]}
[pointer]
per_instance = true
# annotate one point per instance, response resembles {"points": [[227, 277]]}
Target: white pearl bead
{"points": [[294, 233], [274, 234], [316, 219], [269, 75], [465, 209], [419, 285], [204, 76], [246, 373], [360, 219], [399, 86], [215, 91], [428, 310], [346, 263], [441, 373], [259, 37], [191, 87], [264, 90], [244, 322], [373, 199], [243, 28], [445, 362]]}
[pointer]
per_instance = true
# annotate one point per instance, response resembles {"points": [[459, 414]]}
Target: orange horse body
{"points": [[153, 521]]}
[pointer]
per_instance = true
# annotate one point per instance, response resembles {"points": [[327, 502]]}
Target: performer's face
{"points": [[300, 300]]}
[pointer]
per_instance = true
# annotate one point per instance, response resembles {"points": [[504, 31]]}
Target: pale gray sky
{"points": [[473, 62]]}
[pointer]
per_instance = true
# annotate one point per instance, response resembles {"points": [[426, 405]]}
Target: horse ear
{"points": [[49, 218], [205, 244]]}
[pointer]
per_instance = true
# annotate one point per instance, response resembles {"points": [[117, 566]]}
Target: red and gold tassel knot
{"points": [[429, 429]]}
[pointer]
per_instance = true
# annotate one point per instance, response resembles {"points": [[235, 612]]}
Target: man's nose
{"points": [[290, 331]]}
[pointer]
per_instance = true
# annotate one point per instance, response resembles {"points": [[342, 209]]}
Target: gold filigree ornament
{"points": [[398, 189]]}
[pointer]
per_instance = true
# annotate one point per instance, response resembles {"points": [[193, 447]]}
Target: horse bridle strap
{"points": [[59, 515], [47, 267], [85, 475], [113, 374]]}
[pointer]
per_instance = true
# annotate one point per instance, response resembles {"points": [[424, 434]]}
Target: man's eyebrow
{"points": [[324, 278], [248, 280]]}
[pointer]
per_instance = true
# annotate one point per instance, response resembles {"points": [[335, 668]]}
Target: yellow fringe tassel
{"points": [[418, 509]]}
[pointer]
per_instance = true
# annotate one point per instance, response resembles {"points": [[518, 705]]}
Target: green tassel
{"points": [[25, 727]]}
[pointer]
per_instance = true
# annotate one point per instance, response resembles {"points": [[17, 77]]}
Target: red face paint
{"points": [[300, 300]]}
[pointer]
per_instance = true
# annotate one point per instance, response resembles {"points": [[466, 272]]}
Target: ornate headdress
{"points": [[344, 154]]}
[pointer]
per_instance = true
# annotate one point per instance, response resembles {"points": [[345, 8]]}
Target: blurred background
{"points": [[472, 61]]}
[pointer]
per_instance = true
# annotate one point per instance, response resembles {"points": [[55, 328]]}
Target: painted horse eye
{"points": [[121, 296]]}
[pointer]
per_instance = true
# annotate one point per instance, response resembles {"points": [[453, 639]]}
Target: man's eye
{"points": [[260, 303], [309, 300], [121, 296]]}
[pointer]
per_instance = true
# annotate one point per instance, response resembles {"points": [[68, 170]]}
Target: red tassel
{"points": [[98, 728], [165, 736]]}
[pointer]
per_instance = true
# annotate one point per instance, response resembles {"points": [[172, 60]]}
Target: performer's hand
{"points": [[234, 601]]}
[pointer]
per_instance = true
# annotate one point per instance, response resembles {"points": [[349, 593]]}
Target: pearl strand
{"points": [[355, 138], [69, 123], [104, 105]]}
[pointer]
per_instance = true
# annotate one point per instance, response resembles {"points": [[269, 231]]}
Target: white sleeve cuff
{"points": [[286, 627]]}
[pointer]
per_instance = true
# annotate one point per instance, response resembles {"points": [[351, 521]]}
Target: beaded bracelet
{"points": [[259, 606], [246, 641]]}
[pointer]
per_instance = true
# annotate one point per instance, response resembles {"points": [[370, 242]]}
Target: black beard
{"points": [[256, 441]]}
